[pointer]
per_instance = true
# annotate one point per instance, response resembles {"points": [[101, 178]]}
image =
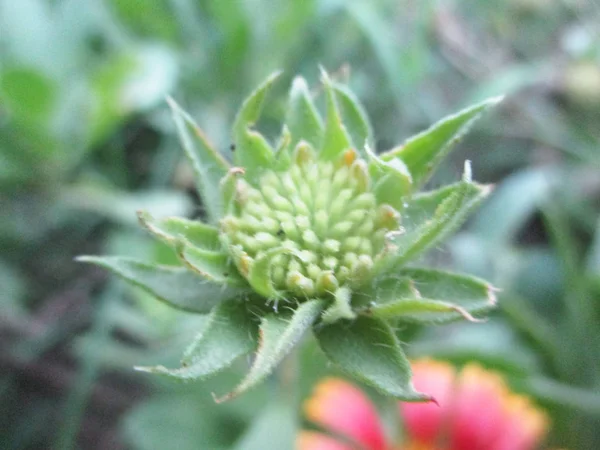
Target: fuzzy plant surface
{"points": [[314, 233]]}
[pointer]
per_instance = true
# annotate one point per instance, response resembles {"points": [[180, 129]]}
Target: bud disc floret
{"points": [[324, 217]]}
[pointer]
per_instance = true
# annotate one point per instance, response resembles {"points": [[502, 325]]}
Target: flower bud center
{"points": [[324, 216]]}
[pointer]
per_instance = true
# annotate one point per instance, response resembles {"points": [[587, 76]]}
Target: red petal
{"points": [[425, 422], [478, 413], [342, 408]]}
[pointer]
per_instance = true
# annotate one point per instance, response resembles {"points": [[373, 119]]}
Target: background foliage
{"points": [[86, 140]]}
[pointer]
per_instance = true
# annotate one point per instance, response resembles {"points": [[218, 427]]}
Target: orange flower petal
{"points": [[310, 440], [342, 408], [524, 426], [424, 422]]}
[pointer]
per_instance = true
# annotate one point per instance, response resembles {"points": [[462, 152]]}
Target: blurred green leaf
{"points": [[27, 94], [368, 350], [275, 427]]}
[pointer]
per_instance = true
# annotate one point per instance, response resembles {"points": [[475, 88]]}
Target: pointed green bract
{"points": [[423, 152], [302, 116], [279, 333], [176, 286], [229, 333], [429, 218], [431, 296], [209, 166], [341, 308], [336, 138], [252, 152], [355, 117], [216, 266], [368, 350], [392, 180], [173, 229], [259, 274]]}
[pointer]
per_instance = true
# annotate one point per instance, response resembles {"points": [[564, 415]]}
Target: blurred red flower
{"points": [[475, 411]]}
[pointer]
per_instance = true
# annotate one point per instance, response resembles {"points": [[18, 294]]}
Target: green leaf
{"points": [[28, 94], [355, 118], [431, 296], [368, 349], [230, 333], [302, 116], [209, 166], [174, 229], [430, 217], [423, 152], [336, 138], [176, 286], [392, 180], [279, 333], [253, 152], [215, 266]]}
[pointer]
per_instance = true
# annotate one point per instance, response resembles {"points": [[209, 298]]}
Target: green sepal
{"points": [[259, 275], [175, 286], [302, 116], [209, 166], [336, 138], [430, 217], [341, 308], [367, 349], [229, 333], [253, 152], [216, 266], [355, 118], [423, 153], [228, 186], [283, 152], [173, 229], [392, 181], [278, 334], [419, 295]]}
